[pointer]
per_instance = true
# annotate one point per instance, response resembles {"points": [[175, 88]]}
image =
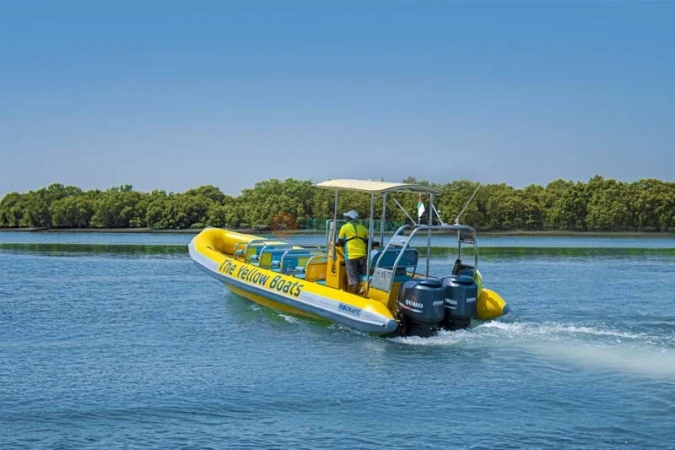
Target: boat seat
{"points": [[239, 249], [315, 269], [462, 269], [400, 277], [388, 258], [292, 264], [252, 252], [270, 257], [291, 260], [397, 278], [299, 272]]}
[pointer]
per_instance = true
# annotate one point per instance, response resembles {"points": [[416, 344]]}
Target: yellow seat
{"points": [[315, 271]]}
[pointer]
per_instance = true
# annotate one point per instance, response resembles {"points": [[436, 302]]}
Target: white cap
{"points": [[353, 214]]}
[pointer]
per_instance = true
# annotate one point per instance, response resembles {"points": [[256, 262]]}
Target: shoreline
{"points": [[515, 233]]}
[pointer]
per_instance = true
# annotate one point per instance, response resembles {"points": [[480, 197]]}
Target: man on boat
{"points": [[354, 237]]}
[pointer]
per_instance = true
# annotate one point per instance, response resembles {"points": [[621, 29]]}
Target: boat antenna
{"points": [[466, 205], [478, 187]]}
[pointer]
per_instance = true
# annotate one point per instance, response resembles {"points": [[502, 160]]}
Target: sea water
{"points": [[120, 341]]}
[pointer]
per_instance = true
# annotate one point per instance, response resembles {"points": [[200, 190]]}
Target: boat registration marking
{"points": [[350, 309]]}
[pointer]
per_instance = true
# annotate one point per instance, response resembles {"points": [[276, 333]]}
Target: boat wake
{"points": [[560, 331], [590, 346]]}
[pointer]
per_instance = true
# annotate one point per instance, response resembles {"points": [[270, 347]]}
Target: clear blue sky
{"points": [[171, 95]]}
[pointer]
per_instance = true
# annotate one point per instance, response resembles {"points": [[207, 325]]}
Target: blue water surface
{"points": [[183, 238], [119, 350]]}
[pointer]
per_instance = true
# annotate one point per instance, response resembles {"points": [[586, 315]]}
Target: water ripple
{"points": [[127, 351]]}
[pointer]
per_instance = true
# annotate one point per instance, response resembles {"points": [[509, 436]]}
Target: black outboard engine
{"points": [[460, 301], [421, 307]]}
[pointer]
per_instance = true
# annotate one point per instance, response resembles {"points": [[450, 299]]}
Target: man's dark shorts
{"points": [[355, 268]]}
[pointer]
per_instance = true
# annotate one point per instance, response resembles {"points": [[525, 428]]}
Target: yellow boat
{"points": [[394, 299]]}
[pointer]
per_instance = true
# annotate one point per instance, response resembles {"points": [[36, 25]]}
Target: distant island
{"points": [[599, 205]]}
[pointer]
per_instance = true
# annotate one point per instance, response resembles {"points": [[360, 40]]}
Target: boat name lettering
{"points": [[253, 275], [227, 267], [349, 309], [286, 286]]}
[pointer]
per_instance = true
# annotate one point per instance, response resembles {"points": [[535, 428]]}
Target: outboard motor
{"points": [[460, 301], [421, 307]]}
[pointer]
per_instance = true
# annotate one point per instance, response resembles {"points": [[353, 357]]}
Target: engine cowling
{"points": [[421, 306], [460, 294]]}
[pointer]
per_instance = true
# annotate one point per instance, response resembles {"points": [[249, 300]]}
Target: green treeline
{"points": [[598, 205]]}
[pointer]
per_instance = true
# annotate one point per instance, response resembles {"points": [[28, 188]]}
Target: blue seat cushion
{"points": [[409, 258]]}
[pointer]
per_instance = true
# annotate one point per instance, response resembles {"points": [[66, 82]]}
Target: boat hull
{"points": [[287, 293]]}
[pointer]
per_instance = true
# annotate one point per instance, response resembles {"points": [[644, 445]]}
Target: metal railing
{"points": [[465, 234]]}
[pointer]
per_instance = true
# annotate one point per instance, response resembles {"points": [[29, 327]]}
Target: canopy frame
{"points": [[375, 187], [379, 187]]}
